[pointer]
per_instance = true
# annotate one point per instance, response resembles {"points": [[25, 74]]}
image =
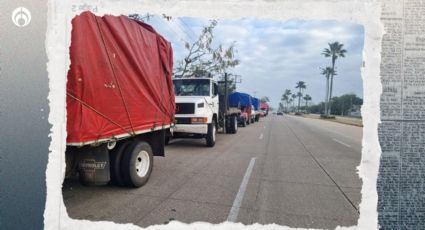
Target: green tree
{"points": [[318, 108], [327, 72], [307, 98], [285, 98], [334, 51], [203, 59], [345, 103], [300, 86], [293, 96]]}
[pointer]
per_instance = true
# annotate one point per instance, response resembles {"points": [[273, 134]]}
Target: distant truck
{"points": [[256, 103], [264, 107], [201, 110], [244, 102], [120, 99]]}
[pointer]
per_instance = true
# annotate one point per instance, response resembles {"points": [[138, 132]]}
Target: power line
{"points": [[190, 29], [185, 31], [171, 29]]}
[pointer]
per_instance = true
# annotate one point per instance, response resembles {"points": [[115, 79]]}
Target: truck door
{"points": [[214, 92]]}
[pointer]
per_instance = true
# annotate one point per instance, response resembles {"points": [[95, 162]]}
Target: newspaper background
{"points": [[401, 180]]}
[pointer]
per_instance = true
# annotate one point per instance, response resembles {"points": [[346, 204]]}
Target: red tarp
{"points": [[119, 81], [264, 106]]}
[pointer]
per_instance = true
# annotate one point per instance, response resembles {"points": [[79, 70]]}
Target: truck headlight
{"points": [[201, 105], [199, 120]]}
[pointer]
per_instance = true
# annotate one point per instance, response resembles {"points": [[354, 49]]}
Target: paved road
{"points": [[288, 170]]}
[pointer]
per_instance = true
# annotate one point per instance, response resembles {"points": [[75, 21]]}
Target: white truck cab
{"points": [[197, 106]]}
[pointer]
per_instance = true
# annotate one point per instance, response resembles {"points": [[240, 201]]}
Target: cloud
{"points": [[274, 55]]}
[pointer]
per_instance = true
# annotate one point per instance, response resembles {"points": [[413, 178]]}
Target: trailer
{"points": [[120, 100]]}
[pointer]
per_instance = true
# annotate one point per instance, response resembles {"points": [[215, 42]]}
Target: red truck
{"points": [[264, 107], [120, 99]]}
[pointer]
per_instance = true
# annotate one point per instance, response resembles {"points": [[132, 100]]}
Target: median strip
{"points": [[234, 211]]}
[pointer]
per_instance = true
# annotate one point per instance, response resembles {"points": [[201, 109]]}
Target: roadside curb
{"points": [[331, 120]]}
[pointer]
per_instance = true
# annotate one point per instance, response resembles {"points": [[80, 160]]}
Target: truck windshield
{"points": [[192, 87]]}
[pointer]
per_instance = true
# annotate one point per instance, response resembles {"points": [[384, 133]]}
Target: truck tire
{"points": [[212, 130], [136, 164], [243, 122], [233, 124], [228, 126], [115, 156]]}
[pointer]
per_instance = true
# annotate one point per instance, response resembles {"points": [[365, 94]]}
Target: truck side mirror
{"points": [[215, 89]]}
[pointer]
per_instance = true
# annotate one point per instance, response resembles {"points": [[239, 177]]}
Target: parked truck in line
{"points": [[256, 104], [244, 102], [264, 109], [201, 110], [120, 99]]}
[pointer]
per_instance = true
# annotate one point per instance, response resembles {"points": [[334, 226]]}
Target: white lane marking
{"points": [[234, 211], [342, 143], [261, 136]]}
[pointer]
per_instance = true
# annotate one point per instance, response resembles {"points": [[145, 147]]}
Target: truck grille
{"points": [[183, 120], [185, 108]]}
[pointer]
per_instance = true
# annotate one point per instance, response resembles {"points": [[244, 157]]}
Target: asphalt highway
{"points": [[288, 170]]}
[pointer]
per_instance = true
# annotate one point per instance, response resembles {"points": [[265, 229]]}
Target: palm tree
{"points": [[334, 51], [327, 72], [299, 95], [300, 86], [288, 94], [294, 96], [285, 99], [306, 99], [290, 102]]}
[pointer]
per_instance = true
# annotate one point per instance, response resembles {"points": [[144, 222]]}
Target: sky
{"points": [[274, 55]]}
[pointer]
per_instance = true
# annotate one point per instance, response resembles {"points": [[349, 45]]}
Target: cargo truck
{"points": [[120, 100], [244, 102], [257, 112], [201, 110], [264, 109]]}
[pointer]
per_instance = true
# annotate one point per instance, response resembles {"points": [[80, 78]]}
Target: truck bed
{"points": [[119, 81]]}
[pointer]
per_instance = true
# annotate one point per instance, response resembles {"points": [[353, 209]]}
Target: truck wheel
{"points": [[211, 134], [243, 122], [115, 159], [136, 164], [234, 125], [228, 126]]}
